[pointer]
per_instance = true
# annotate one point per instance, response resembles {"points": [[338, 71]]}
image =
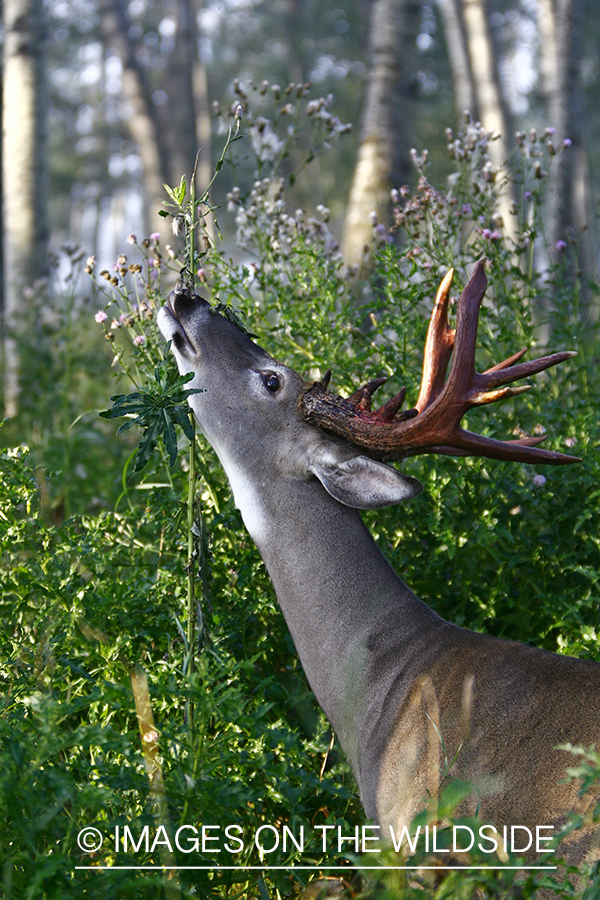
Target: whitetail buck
{"points": [[390, 674]]}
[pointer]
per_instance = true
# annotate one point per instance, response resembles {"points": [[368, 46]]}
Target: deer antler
{"points": [[433, 426]]}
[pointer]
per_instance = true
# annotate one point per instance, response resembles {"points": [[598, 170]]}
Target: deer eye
{"points": [[272, 382]]}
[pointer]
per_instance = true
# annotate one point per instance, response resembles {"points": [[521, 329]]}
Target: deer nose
{"points": [[184, 299]]}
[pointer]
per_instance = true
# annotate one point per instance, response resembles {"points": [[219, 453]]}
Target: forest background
{"points": [[131, 599]]}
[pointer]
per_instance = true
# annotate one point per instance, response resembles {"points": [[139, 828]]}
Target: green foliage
{"points": [[164, 577], [156, 410], [80, 604]]}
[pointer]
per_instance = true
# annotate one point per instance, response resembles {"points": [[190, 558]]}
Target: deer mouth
{"points": [[171, 328]]}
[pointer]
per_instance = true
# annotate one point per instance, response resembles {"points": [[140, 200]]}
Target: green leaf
{"points": [[127, 425], [234, 316], [75, 667], [178, 193], [170, 437], [182, 418], [157, 410], [147, 445]]}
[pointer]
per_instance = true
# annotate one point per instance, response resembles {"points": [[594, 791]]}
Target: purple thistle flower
{"points": [[138, 340], [561, 246], [100, 316]]}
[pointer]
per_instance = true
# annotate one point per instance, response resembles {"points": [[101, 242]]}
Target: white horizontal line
{"points": [[315, 868]]}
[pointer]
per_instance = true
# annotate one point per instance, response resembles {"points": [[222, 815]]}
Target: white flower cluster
{"points": [[472, 145], [265, 143], [264, 222]]}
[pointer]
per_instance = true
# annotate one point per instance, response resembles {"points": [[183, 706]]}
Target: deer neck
{"points": [[343, 603]]}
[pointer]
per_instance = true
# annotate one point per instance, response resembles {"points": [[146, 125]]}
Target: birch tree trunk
{"points": [[190, 128], [548, 61], [167, 142], [465, 99], [388, 109], [203, 124], [25, 230], [491, 108], [568, 185], [144, 124], [181, 94]]}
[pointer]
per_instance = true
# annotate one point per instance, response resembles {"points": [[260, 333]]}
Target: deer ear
{"points": [[362, 483]]}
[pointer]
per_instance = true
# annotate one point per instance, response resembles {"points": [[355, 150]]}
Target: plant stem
{"points": [[191, 574], [158, 797], [192, 226]]}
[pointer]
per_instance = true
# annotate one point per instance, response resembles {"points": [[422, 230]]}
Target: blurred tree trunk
{"points": [[203, 124], [561, 27], [548, 62], [465, 99], [167, 137], [25, 230], [189, 129], [144, 124], [181, 94], [491, 108], [388, 109]]}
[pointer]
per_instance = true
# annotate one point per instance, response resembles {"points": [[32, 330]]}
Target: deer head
{"points": [[236, 374], [226, 361]]}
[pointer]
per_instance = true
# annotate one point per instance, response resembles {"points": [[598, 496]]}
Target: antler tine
{"points": [[325, 379], [522, 450], [465, 340], [434, 425], [438, 347], [507, 362], [496, 376], [362, 397]]}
